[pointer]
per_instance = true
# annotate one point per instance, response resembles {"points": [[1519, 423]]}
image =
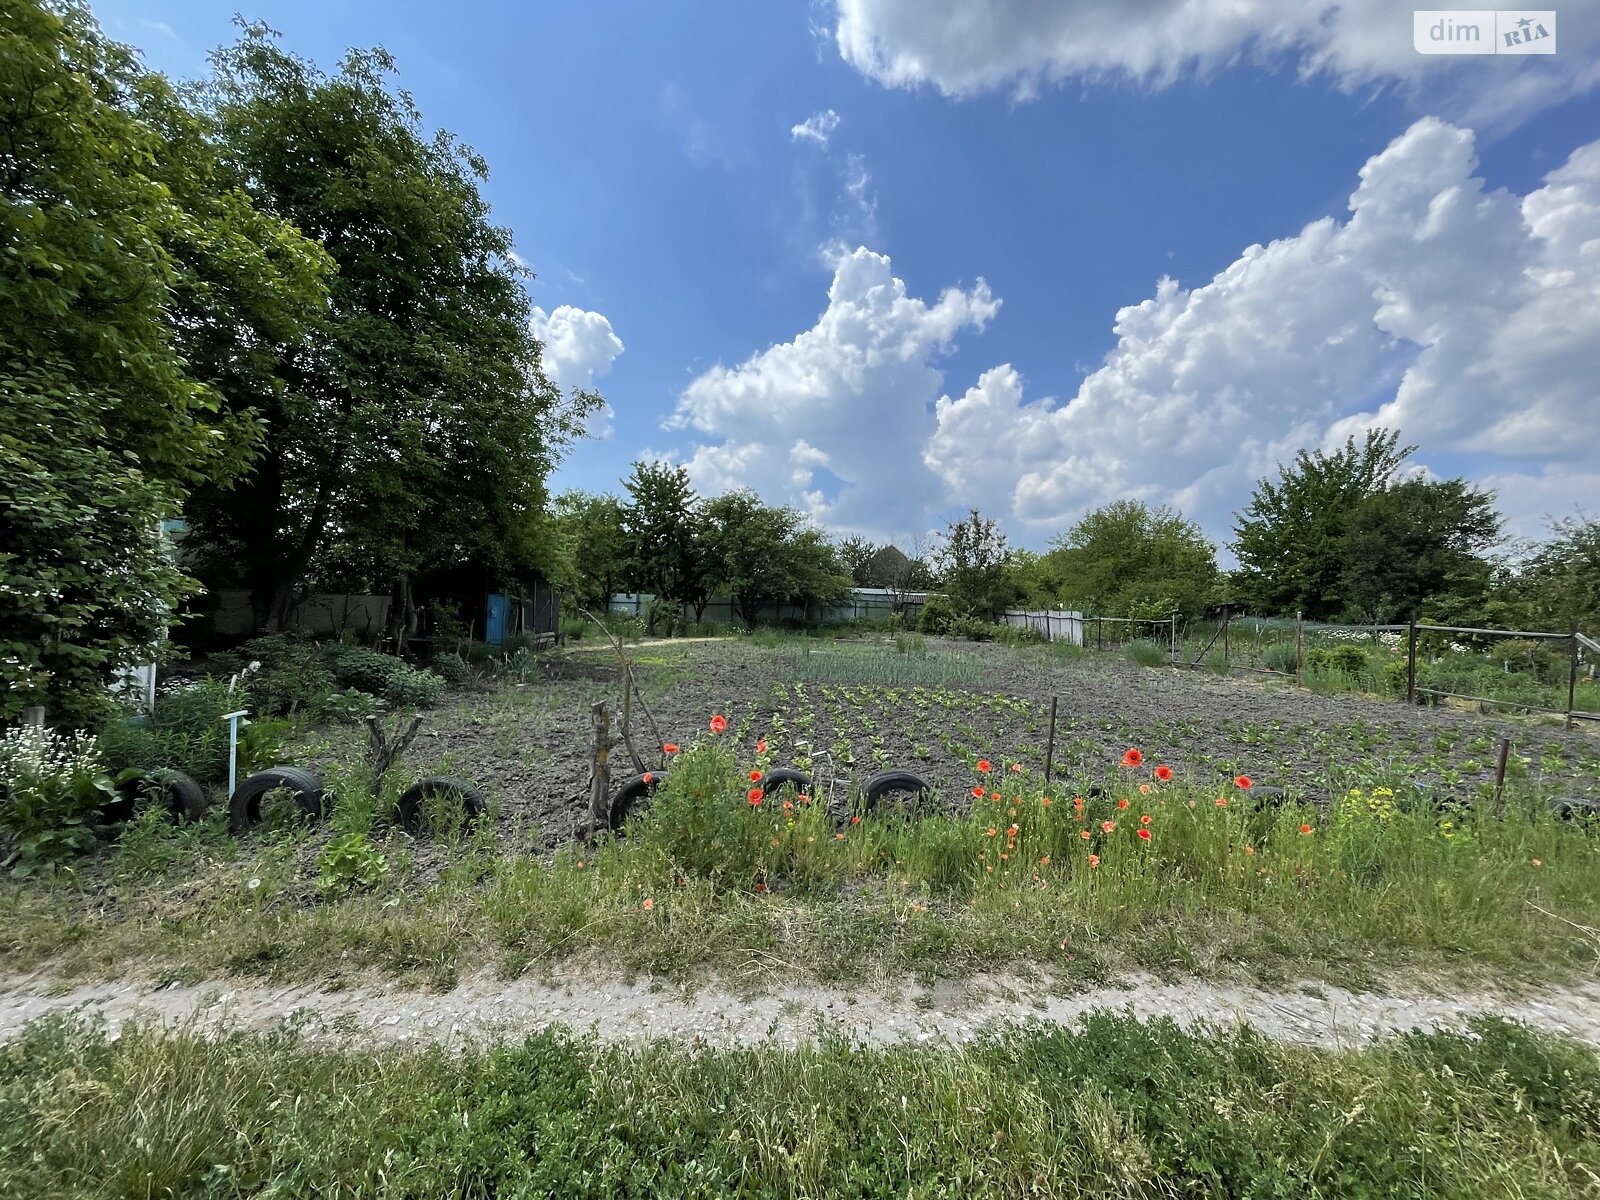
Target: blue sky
{"points": [[1050, 163]]}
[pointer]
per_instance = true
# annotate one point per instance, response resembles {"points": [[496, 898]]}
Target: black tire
{"points": [[411, 811], [1575, 808], [244, 806], [179, 793], [785, 777], [1266, 795], [894, 782], [634, 796]]}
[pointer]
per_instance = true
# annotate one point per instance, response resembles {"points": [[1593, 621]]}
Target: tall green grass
{"points": [[1115, 1108]]}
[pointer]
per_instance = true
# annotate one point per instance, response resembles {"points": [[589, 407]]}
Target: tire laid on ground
{"points": [[1266, 795], [634, 795], [893, 782], [244, 806], [1574, 808], [412, 809], [181, 796], [783, 777]]}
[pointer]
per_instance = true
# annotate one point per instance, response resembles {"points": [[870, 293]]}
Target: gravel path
{"points": [[482, 1008]]}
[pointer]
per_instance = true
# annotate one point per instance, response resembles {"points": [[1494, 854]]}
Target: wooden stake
{"points": [[1411, 659], [1500, 774], [1050, 745], [600, 770]]}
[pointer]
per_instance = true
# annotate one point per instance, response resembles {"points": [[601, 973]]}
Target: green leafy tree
{"points": [[594, 547], [763, 556], [1559, 584], [130, 272], [972, 558], [1129, 559], [1287, 537], [415, 427], [662, 519], [1416, 543], [855, 554]]}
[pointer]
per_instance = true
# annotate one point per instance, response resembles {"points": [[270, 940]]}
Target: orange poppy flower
{"points": [[1094, 860], [648, 904], [1044, 802], [803, 799], [1123, 803], [1163, 773], [1144, 789], [669, 747], [1243, 782], [1145, 819], [754, 775], [788, 806], [984, 766], [1250, 851], [1084, 834], [754, 796], [1222, 802], [761, 745], [838, 837], [992, 831], [856, 820], [1144, 835], [977, 793], [1016, 768], [649, 777], [1108, 826], [719, 723], [1132, 758], [1306, 829], [1045, 861]]}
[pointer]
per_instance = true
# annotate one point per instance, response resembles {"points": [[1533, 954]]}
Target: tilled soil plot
{"points": [[853, 708]]}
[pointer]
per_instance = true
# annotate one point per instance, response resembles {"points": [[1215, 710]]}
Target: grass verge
{"points": [[1115, 1108]]}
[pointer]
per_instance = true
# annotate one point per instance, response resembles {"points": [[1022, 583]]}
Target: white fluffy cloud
{"points": [[1468, 319], [963, 47], [818, 128], [579, 347], [850, 396]]}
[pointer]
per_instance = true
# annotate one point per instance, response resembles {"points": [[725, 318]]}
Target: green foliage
{"points": [[350, 863], [761, 556], [667, 559], [595, 547], [358, 667], [138, 290], [1128, 559], [1112, 1107], [292, 674], [350, 707], [52, 787], [938, 616], [1339, 534], [420, 429], [1280, 656], [1349, 659], [972, 559], [451, 667], [411, 687], [1217, 663], [1559, 586], [186, 732], [1146, 653], [855, 556]]}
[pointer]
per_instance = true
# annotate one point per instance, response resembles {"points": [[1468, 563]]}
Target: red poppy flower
{"points": [[719, 723], [649, 777], [984, 766], [754, 775], [1044, 802], [1123, 803], [1094, 860], [1305, 829], [761, 887], [754, 796], [1145, 789], [1084, 834], [669, 747], [1132, 758], [1145, 819], [977, 793], [992, 831], [1163, 773], [1243, 782], [1016, 768], [856, 820], [761, 745], [1144, 835]]}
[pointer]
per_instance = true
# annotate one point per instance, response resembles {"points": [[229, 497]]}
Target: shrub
{"points": [[351, 706], [413, 688], [186, 732], [518, 641], [358, 667], [1217, 663], [938, 616], [911, 644], [452, 668], [1021, 635], [52, 787], [1146, 653], [1347, 659], [1280, 657], [350, 862], [283, 674], [573, 628]]}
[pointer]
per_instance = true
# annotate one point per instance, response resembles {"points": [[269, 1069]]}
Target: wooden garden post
{"points": [[1050, 745], [1411, 658], [1227, 612], [1500, 774], [600, 778], [1299, 648], [1572, 678]]}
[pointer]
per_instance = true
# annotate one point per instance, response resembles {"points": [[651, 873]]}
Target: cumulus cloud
{"points": [[964, 47], [579, 347], [1467, 318], [818, 128], [843, 407]]}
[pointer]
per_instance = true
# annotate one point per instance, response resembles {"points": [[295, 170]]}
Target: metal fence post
{"points": [[1572, 678], [1226, 613], [1299, 650]]}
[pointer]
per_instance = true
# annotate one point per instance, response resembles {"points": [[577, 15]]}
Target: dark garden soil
{"points": [[526, 744]]}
